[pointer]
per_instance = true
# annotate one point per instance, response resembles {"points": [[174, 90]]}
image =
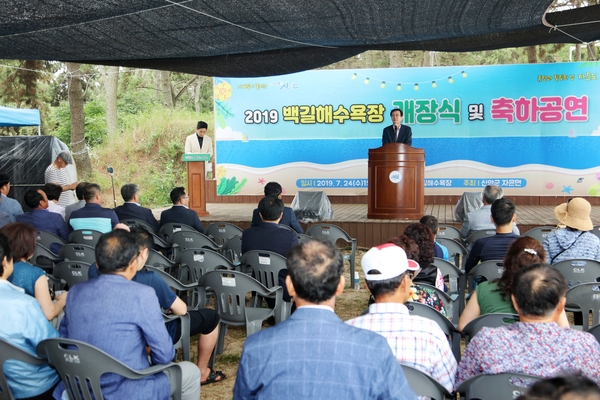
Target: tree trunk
{"points": [[591, 52], [78, 146], [531, 55], [167, 89], [396, 59], [577, 52], [197, 96], [426, 59], [111, 84]]}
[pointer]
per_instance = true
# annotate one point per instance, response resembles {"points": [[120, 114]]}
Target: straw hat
{"points": [[575, 214]]}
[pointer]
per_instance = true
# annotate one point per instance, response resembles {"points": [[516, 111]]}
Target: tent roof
{"points": [[19, 117], [258, 38]]}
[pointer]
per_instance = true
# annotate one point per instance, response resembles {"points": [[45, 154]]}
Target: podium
{"points": [[396, 182], [196, 182]]}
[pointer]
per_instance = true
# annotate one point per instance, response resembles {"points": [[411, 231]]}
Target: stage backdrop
{"points": [[532, 129]]}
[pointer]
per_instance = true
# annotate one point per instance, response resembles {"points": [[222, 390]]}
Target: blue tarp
{"points": [[19, 117]]}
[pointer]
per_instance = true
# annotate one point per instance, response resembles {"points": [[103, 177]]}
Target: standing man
{"points": [[200, 143], [397, 133], [8, 206], [57, 173]]}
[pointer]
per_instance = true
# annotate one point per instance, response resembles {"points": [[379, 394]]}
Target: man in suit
{"points": [[199, 143], [481, 219], [180, 213], [314, 354], [41, 219], [132, 209], [288, 218], [397, 133]]}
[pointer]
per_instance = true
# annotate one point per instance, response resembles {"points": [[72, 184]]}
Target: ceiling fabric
{"points": [[259, 38]]}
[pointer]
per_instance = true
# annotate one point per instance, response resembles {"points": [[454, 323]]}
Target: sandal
{"points": [[214, 376]]}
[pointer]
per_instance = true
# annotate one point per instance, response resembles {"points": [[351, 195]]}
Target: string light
{"points": [[367, 81], [433, 84], [416, 86], [382, 85], [354, 76], [464, 74], [399, 87], [450, 80]]}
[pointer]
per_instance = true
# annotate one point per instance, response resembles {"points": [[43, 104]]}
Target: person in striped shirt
{"points": [[57, 173]]}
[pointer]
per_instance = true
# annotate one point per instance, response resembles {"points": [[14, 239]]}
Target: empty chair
{"points": [[44, 258], [539, 233], [456, 278], [167, 230], [195, 263], [185, 240], [11, 352], [133, 222], [586, 297], [333, 234], [496, 387], [456, 251], [159, 261], [423, 384], [72, 272], [232, 249], [473, 237], [77, 362], [50, 240], [78, 252], [85, 236], [449, 232], [490, 320], [220, 232], [490, 270], [579, 271]]}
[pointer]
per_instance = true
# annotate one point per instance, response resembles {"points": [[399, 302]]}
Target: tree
{"points": [[111, 83], [78, 145], [166, 89]]}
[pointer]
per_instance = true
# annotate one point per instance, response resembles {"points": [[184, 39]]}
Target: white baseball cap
{"points": [[389, 259]]}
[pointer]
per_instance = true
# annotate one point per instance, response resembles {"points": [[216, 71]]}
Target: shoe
{"points": [[214, 376]]}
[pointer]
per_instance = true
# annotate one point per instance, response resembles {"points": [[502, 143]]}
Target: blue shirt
{"points": [[489, 248], [93, 216], [25, 276], [23, 324], [10, 207], [45, 220]]}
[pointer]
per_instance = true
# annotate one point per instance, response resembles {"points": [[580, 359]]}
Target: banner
{"points": [[533, 129]]}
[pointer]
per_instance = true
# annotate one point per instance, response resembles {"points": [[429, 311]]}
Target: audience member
{"points": [[127, 323], [132, 209], [53, 193], [572, 238], [423, 237], [93, 215], [180, 213], [4, 219], [415, 341], [57, 173], [313, 354], [495, 247], [204, 322], [22, 240], [479, 220], [41, 219], [536, 345], [288, 218], [439, 250], [571, 387], [23, 324], [80, 201], [8, 206]]}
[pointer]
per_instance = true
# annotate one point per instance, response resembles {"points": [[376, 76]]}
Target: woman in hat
{"points": [[572, 238]]}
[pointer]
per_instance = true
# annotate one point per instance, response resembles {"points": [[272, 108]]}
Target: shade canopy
{"points": [[19, 117], [258, 38]]}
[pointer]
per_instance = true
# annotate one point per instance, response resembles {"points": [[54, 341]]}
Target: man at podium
{"points": [[200, 143], [397, 133]]}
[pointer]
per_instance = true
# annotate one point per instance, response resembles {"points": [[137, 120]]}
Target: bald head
{"points": [[538, 290], [115, 251]]}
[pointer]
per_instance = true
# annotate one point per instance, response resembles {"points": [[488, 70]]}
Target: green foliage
{"points": [[231, 186], [95, 122]]}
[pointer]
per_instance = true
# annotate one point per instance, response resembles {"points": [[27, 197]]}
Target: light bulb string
{"points": [[368, 79]]}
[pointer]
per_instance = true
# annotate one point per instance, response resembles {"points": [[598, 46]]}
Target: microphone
{"points": [[395, 127]]}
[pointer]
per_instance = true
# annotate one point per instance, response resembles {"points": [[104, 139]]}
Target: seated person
{"points": [[53, 192], [439, 250], [9, 207], [180, 213], [132, 209], [536, 345], [424, 238], [569, 387], [288, 218], [93, 215], [24, 325], [479, 220]]}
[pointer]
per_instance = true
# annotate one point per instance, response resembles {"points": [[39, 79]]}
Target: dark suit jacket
{"points": [[405, 135], [270, 237], [181, 215], [289, 219], [132, 210]]}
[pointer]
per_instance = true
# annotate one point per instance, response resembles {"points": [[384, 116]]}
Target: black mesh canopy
{"points": [[265, 37]]}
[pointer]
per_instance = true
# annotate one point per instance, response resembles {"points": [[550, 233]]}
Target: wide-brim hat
{"points": [[575, 214], [389, 260]]}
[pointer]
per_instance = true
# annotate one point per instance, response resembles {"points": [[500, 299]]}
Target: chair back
{"points": [[220, 232], [449, 232], [157, 260], [134, 222], [232, 249], [196, 262], [334, 233], [495, 320], [586, 297], [456, 251], [490, 270], [423, 384], [167, 230], [78, 252], [596, 231], [450, 302], [456, 278], [595, 330], [47, 239], [43, 257], [72, 272], [265, 266], [11, 352], [77, 362], [475, 236], [85, 236], [303, 238], [539, 233], [287, 227], [496, 387], [184, 240], [193, 295], [578, 271]]}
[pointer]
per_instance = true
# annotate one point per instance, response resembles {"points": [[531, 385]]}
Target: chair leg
{"points": [[221, 340]]}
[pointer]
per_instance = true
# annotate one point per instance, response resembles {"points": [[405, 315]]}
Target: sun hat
{"points": [[575, 213], [390, 260], [66, 156]]}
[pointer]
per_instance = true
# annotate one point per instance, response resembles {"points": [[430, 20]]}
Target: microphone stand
{"points": [[110, 170]]}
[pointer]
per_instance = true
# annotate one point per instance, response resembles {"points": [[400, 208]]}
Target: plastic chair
{"points": [[11, 352], [289, 228], [72, 272], [78, 362], [450, 302], [595, 330], [44, 258], [473, 237], [457, 280], [456, 251], [496, 387], [167, 230], [453, 335], [539, 233], [193, 294], [195, 263], [578, 271], [266, 266], [586, 298], [303, 238], [232, 249], [47, 239], [596, 231], [490, 270], [230, 289], [423, 384], [134, 222], [85, 236], [185, 240], [449, 232], [78, 252], [334, 233], [495, 320], [161, 262], [220, 232]]}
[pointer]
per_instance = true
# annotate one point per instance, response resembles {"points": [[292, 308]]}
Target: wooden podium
{"points": [[196, 182], [396, 182]]}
